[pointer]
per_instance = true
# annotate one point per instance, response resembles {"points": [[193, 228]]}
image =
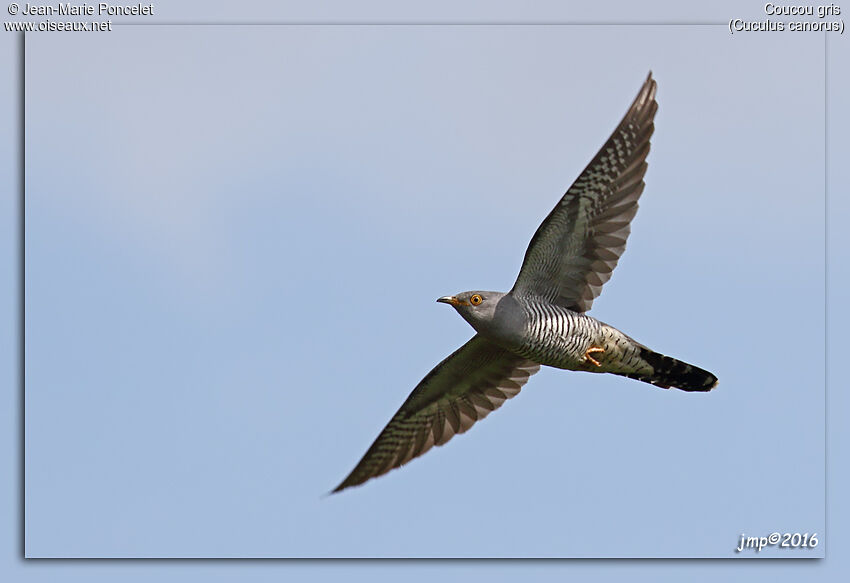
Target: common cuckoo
{"points": [[542, 320]]}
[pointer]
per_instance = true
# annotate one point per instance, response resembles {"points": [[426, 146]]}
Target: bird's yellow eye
{"points": [[475, 300]]}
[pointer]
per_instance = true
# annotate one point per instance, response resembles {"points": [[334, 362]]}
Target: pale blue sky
{"points": [[235, 236]]}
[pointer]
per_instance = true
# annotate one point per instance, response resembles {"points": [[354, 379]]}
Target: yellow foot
{"points": [[590, 350]]}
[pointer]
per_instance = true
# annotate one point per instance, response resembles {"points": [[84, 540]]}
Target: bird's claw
{"points": [[590, 350]]}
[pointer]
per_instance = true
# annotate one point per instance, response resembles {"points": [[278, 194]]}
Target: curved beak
{"points": [[451, 300]]}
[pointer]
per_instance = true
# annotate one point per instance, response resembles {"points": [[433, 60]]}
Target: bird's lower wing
{"points": [[465, 387]]}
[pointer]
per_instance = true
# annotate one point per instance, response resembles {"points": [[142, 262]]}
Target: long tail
{"points": [[669, 372]]}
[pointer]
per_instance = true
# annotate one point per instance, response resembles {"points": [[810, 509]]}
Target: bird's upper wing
{"points": [[474, 380], [578, 245]]}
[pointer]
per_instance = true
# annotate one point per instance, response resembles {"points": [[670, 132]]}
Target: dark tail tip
{"points": [[671, 373]]}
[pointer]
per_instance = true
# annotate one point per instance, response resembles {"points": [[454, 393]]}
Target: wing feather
{"points": [[576, 248], [473, 381]]}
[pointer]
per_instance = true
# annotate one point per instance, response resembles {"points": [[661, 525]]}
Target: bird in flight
{"points": [[542, 320]]}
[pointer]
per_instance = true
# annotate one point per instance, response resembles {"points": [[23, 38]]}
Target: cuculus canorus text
{"points": [[542, 320]]}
